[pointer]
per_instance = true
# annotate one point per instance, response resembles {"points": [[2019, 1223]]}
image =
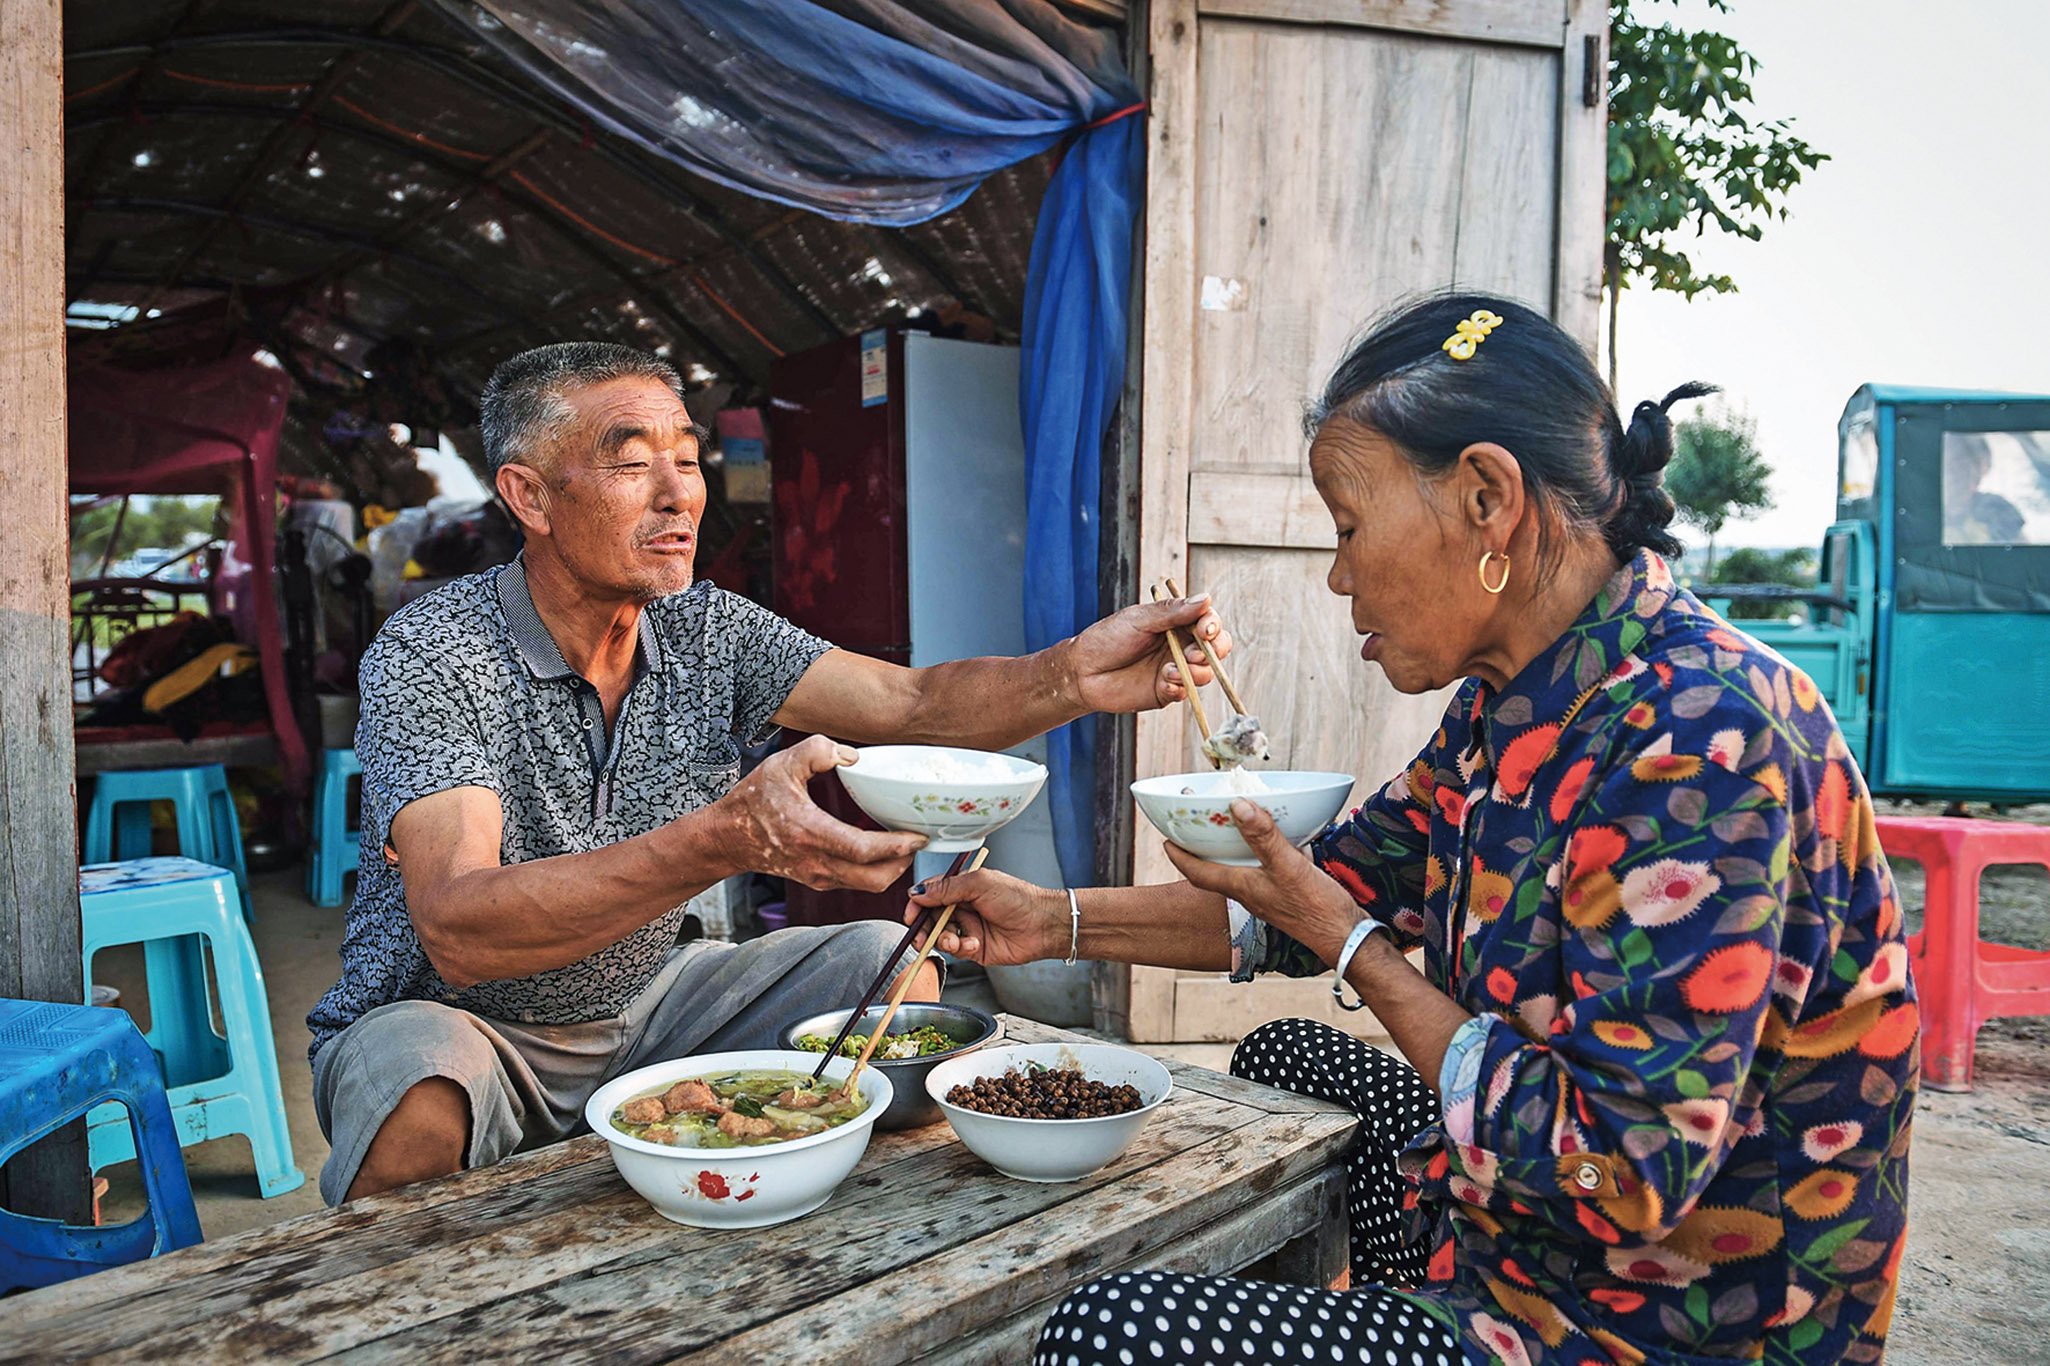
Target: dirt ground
{"points": [[1975, 1282]]}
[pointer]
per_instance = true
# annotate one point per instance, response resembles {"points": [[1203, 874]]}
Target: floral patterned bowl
{"points": [[1194, 809], [954, 797], [737, 1187]]}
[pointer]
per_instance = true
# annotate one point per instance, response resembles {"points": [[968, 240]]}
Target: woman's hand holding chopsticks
{"points": [[925, 950], [1025, 922]]}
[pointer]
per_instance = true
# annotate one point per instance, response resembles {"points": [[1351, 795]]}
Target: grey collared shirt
{"points": [[465, 688]]}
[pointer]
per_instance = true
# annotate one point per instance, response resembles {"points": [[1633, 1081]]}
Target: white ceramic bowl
{"points": [[891, 783], [1200, 821], [1050, 1149], [737, 1187]]}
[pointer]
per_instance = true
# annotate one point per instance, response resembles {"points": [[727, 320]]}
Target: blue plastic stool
{"points": [[117, 823], [56, 1063], [335, 836], [216, 1085]]}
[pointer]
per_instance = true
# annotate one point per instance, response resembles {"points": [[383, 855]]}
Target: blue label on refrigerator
{"points": [[875, 368]]}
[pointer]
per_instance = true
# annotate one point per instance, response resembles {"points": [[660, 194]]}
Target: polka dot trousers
{"points": [[1143, 1317], [1150, 1316], [1393, 1104]]}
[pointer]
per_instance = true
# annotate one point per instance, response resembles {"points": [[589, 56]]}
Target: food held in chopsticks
{"points": [[736, 1110], [1240, 738]]}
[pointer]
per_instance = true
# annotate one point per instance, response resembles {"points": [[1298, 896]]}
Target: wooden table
{"points": [[549, 1257]]}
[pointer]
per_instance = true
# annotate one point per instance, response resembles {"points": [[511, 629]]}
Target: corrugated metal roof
{"points": [[377, 183]]}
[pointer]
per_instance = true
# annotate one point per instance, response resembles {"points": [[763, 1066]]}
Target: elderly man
{"points": [[551, 770]]}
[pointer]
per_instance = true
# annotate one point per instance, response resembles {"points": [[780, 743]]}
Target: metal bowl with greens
{"points": [[937, 1030]]}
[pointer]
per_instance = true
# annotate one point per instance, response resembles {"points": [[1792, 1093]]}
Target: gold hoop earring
{"points": [[1494, 588]]}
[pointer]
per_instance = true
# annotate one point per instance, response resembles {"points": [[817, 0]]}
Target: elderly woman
{"points": [[1662, 1050]]}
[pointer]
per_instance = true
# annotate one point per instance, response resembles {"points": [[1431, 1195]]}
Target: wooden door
{"points": [[1311, 163]]}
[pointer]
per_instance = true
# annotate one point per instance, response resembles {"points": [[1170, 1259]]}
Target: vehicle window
{"points": [[1996, 488], [1860, 464]]}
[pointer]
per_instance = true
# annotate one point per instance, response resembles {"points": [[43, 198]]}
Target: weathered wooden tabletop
{"points": [[924, 1254]]}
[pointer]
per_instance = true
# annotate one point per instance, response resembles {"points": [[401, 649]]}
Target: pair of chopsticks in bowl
{"points": [[1163, 591], [963, 863]]}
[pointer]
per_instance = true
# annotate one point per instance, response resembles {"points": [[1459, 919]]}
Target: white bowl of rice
{"points": [[954, 797], [1194, 809]]}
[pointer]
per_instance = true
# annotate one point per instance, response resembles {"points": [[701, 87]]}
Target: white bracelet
{"points": [[1074, 928], [1359, 936]]}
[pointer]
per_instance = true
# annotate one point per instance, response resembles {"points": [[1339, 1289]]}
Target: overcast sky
{"points": [[1920, 254]]}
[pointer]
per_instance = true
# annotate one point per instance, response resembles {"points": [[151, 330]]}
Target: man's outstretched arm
{"points": [[1121, 664]]}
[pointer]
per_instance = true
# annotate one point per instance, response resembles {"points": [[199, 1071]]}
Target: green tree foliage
{"points": [[1794, 568], [1686, 150], [1717, 473], [152, 523]]}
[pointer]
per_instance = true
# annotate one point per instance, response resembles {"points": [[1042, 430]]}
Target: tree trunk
{"points": [[1709, 573]]}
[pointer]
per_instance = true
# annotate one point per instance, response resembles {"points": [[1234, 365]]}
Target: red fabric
{"points": [[170, 431], [203, 429]]}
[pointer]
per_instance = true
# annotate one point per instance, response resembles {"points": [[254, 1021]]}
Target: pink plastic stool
{"points": [[1962, 981]]}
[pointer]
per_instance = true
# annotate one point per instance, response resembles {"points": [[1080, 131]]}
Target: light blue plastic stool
{"points": [[215, 1085], [335, 836], [117, 826], [56, 1063]]}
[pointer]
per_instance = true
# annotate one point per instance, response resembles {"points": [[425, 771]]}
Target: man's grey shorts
{"points": [[527, 1083]]}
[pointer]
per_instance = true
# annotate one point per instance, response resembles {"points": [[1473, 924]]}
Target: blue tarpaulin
{"points": [[892, 112]]}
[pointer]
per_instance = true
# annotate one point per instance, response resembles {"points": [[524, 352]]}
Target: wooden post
{"points": [[39, 930], [1583, 171], [1118, 580], [1168, 333]]}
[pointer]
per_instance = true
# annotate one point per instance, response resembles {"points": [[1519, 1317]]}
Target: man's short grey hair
{"points": [[525, 409]]}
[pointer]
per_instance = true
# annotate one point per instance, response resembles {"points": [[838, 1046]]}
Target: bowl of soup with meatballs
{"points": [[741, 1139]]}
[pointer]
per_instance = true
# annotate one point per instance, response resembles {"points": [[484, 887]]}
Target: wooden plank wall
{"points": [[1144, 1009], [1533, 22], [1313, 162], [39, 933]]}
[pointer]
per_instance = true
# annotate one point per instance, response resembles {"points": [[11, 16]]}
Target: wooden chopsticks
{"points": [[875, 988], [1216, 665], [1174, 644], [904, 987]]}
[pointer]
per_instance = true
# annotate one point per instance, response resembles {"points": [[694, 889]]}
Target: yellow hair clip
{"points": [[1471, 332]]}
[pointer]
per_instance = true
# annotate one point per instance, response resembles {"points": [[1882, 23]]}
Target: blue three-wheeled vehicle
{"points": [[1929, 628]]}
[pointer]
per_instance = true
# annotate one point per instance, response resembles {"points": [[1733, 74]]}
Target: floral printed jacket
{"points": [[1677, 1129]]}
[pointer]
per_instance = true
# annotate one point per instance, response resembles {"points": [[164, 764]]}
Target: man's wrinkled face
{"points": [[625, 491]]}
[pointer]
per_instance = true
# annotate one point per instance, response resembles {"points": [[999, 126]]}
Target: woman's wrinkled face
{"points": [[1406, 559]]}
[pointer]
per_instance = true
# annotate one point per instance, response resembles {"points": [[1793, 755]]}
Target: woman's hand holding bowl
{"points": [[1286, 891]]}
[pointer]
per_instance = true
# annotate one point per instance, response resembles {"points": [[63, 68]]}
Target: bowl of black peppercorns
{"points": [[1049, 1111]]}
